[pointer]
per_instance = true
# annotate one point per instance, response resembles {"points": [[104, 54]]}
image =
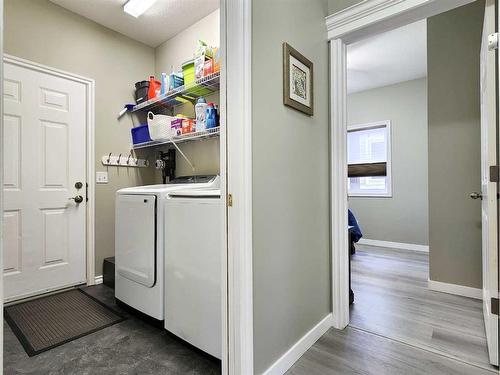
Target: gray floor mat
{"points": [[44, 323]]}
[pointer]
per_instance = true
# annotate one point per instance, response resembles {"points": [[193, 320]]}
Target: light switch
{"points": [[101, 177]]}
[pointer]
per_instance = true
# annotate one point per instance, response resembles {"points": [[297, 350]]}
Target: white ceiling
{"points": [[159, 23], [385, 59]]}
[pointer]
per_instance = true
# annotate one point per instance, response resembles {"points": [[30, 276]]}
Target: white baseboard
{"points": [[456, 289], [98, 280], [395, 245], [286, 361]]}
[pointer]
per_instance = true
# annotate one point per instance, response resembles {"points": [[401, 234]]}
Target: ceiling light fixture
{"points": [[137, 7]]}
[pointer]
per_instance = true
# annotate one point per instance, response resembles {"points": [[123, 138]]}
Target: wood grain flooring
{"points": [[353, 351], [399, 326], [392, 299]]}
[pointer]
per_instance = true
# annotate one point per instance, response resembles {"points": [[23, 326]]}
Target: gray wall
{"points": [[335, 6], [453, 40], [403, 217], [290, 181], [175, 51], [48, 34]]}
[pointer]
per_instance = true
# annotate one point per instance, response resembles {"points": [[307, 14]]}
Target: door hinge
{"points": [[494, 306], [494, 173], [230, 200], [86, 192], [493, 42]]}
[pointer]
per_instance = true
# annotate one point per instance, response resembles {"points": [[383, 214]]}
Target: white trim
{"points": [[225, 355], [338, 175], [388, 192], [286, 361], [395, 245], [359, 21], [98, 280], [90, 141], [456, 289], [239, 183], [1, 185], [374, 16]]}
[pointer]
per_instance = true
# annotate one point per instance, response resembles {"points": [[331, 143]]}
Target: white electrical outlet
{"points": [[101, 177]]}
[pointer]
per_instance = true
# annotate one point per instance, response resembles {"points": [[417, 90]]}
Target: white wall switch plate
{"points": [[101, 177]]}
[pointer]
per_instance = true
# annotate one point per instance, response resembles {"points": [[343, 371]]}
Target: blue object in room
{"points": [[140, 134], [352, 222]]}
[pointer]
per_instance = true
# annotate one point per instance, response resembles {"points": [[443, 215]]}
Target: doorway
{"points": [[48, 232], [341, 37]]}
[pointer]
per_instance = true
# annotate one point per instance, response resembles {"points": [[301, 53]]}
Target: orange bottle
{"points": [[153, 86]]}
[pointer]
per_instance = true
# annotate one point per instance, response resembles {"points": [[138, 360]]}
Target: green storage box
{"points": [[188, 72]]}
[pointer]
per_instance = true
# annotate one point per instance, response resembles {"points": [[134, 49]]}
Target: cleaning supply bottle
{"points": [[211, 116], [164, 84], [200, 111], [152, 87]]}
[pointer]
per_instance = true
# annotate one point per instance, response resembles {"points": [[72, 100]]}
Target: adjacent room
{"points": [[414, 155], [111, 145]]}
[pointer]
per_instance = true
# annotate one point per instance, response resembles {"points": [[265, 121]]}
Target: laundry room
{"points": [[113, 221]]}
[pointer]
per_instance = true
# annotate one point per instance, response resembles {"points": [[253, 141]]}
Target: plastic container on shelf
{"points": [[159, 126], [175, 80], [141, 91], [211, 116], [154, 87], [164, 84], [140, 134], [188, 72], [200, 111]]}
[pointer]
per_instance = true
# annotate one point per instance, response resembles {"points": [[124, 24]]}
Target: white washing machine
{"points": [[193, 266], [140, 242]]}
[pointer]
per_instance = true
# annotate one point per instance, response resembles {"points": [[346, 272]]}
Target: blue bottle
{"points": [[211, 116]]}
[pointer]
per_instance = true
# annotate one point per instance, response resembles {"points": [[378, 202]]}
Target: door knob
{"points": [[476, 195], [77, 199]]}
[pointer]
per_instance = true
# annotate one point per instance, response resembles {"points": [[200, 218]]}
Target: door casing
{"points": [[89, 146], [345, 27]]}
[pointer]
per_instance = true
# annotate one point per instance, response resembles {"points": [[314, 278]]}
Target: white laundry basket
{"points": [[159, 126]]}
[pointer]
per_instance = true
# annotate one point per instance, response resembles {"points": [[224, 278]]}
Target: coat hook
{"points": [[109, 157], [128, 159], [118, 160]]}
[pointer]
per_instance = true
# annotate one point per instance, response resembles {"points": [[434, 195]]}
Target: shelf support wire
{"points": [[183, 155]]}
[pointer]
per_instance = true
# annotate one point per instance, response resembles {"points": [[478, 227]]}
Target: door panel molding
{"points": [[56, 100]]}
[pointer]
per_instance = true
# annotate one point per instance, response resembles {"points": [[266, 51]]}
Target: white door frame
{"points": [[238, 158], [347, 26], [90, 174]]}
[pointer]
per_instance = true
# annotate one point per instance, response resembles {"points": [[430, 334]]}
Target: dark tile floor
{"points": [[130, 347]]}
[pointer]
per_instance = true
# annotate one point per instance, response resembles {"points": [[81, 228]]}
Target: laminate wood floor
{"points": [[399, 326], [353, 351], [392, 299]]}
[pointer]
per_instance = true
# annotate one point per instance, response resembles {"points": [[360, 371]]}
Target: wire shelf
{"points": [[209, 133], [183, 94]]}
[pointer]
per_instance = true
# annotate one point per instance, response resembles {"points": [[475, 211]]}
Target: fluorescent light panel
{"points": [[137, 7]]}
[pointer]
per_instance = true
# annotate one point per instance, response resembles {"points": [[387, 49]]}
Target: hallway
{"points": [[399, 326]]}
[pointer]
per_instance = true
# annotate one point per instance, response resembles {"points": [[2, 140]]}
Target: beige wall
{"points": [[454, 40], [48, 34], [404, 217], [174, 52], [290, 181]]}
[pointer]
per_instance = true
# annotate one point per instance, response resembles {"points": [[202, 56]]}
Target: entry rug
{"points": [[44, 323]]}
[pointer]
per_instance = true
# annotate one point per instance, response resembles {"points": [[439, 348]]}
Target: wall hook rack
{"points": [[124, 161]]}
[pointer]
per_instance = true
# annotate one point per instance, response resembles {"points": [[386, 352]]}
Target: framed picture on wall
{"points": [[297, 80]]}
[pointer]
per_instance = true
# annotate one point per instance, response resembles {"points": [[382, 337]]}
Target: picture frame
{"points": [[298, 89]]}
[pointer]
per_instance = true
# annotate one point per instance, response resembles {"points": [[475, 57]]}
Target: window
{"points": [[370, 143]]}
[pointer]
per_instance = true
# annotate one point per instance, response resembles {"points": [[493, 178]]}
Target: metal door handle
{"points": [[476, 195], [78, 199]]}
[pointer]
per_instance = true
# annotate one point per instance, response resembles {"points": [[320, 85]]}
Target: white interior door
{"points": [[489, 138], [44, 156]]}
